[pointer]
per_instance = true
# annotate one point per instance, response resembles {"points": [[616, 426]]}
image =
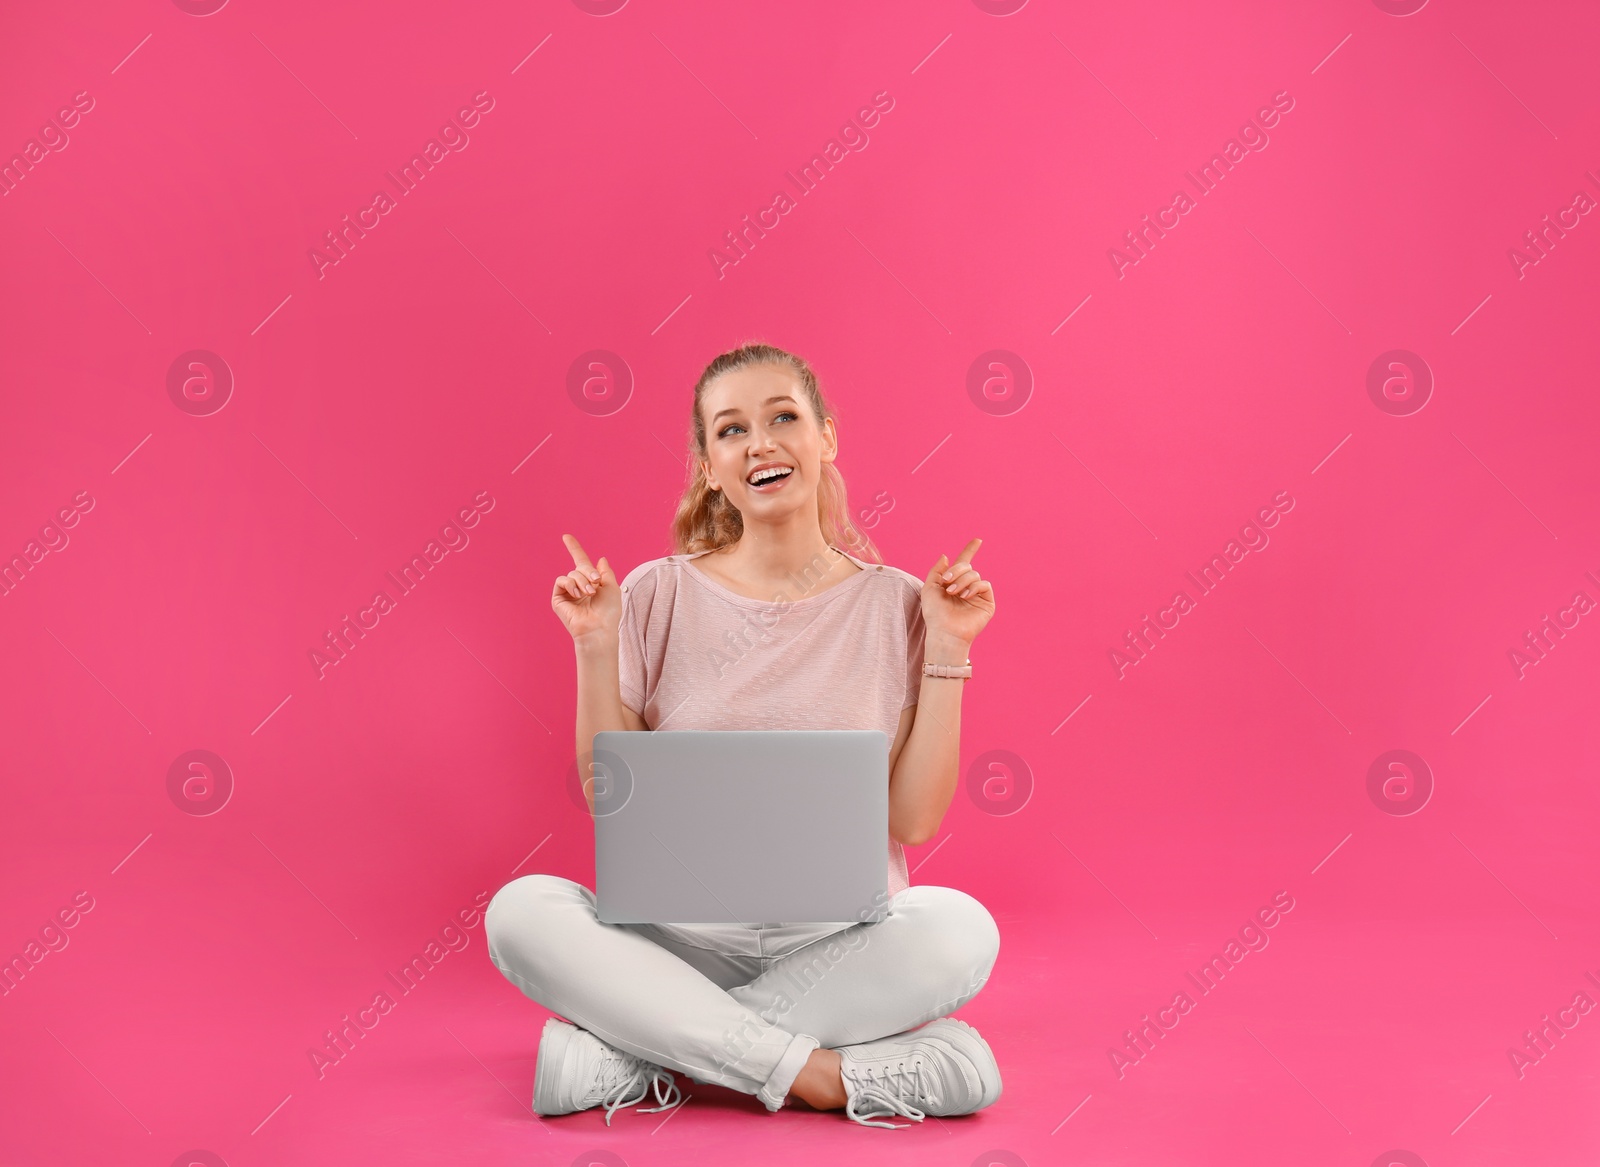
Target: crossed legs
{"points": [[760, 1023]]}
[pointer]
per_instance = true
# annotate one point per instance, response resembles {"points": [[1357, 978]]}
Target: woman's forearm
{"points": [[599, 700], [929, 766]]}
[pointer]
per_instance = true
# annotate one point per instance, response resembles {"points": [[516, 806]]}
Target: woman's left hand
{"points": [[957, 607]]}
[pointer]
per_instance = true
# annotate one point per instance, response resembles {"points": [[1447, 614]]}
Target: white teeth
{"points": [[768, 474]]}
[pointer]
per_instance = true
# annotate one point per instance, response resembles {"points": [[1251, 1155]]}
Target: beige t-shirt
{"points": [[696, 655]]}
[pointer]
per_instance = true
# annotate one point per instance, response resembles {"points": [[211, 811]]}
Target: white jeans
{"points": [[740, 1006]]}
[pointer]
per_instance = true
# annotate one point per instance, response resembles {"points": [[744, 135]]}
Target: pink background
{"points": [[1168, 404]]}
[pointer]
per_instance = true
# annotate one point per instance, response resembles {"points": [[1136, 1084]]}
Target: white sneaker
{"points": [[944, 1067], [576, 1070]]}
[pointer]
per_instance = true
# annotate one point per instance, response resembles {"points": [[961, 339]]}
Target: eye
{"points": [[733, 425]]}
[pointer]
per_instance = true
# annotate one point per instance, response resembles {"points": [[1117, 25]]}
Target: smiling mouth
{"points": [[771, 482]]}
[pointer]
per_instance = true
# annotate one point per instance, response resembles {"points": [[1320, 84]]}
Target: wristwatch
{"points": [[961, 671]]}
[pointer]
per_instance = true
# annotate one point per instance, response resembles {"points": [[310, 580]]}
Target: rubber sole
{"points": [[968, 1042], [548, 1073]]}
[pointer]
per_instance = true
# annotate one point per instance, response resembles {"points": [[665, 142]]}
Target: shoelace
{"points": [[632, 1073], [891, 1092]]}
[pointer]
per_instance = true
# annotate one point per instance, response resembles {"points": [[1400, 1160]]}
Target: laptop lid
{"points": [[741, 826]]}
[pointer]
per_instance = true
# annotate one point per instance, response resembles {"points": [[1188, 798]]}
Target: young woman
{"points": [[763, 620]]}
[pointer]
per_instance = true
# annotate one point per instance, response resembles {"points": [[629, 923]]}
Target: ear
{"points": [[830, 440]]}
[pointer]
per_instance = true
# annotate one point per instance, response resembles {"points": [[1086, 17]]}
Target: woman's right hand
{"points": [[588, 598]]}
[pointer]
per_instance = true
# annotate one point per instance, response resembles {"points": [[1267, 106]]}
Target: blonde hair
{"points": [[706, 520]]}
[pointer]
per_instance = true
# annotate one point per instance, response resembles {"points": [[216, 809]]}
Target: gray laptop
{"points": [[741, 826]]}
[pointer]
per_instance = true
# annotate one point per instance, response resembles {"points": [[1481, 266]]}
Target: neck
{"points": [[766, 553]]}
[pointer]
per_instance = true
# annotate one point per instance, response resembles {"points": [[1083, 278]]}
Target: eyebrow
{"points": [[768, 401]]}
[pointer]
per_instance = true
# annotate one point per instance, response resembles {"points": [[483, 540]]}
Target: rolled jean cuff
{"points": [[772, 1094]]}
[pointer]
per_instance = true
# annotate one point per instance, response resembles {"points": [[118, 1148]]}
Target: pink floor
{"points": [[1340, 1040]]}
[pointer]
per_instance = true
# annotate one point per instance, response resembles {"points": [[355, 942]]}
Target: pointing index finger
{"points": [[579, 558], [968, 552]]}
